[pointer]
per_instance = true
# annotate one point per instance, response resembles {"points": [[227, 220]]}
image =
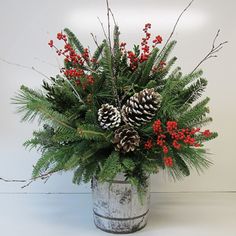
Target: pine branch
{"points": [[201, 138], [73, 40], [165, 52], [148, 67], [195, 158], [195, 113], [110, 168], [32, 104], [107, 64], [92, 132], [194, 91]]}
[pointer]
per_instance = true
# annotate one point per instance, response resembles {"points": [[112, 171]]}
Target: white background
{"points": [[27, 26]]}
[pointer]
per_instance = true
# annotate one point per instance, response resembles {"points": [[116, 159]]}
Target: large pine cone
{"points": [[141, 107], [126, 139], [108, 116]]}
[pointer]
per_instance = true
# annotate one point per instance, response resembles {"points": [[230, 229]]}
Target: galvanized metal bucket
{"points": [[117, 208]]}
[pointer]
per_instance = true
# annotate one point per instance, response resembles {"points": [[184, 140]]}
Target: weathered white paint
{"points": [[117, 207]]}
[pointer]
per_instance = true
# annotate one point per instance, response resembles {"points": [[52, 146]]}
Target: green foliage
{"points": [[195, 113], [33, 104], [92, 132], [148, 67], [98, 51], [74, 41], [71, 138], [110, 168], [194, 91], [42, 139], [52, 160], [128, 164], [166, 52]]}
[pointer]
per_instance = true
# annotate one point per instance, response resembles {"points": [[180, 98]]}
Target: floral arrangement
{"points": [[118, 110]]}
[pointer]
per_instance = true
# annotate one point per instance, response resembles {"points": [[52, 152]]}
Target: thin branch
{"points": [[76, 94], [212, 53], [175, 25], [108, 23], [103, 29], [95, 39], [28, 182], [113, 79], [24, 67], [44, 62], [39, 72], [13, 180], [113, 17], [75, 91]]}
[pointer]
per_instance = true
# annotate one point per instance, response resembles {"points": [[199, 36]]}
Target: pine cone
{"points": [[108, 116], [126, 139], [141, 107]]}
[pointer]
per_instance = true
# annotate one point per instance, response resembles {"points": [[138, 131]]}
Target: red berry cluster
{"points": [[145, 44], [168, 161], [133, 59], [159, 67], [76, 61], [170, 136], [145, 48]]}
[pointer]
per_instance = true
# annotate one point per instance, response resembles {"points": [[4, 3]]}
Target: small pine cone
{"points": [[108, 116], [126, 139], [141, 107]]}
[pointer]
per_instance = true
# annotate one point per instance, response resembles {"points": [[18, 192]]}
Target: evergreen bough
{"points": [[67, 106]]}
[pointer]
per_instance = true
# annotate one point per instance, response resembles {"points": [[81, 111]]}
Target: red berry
{"points": [[168, 161], [165, 149], [207, 133], [50, 43], [148, 144]]}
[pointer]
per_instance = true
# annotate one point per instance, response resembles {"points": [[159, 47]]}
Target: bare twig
{"points": [[75, 91], [45, 76], [24, 67], [108, 39], [103, 29], [175, 25], [108, 23], [28, 182], [13, 180], [113, 17], [95, 39], [212, 53], [45, 62]]}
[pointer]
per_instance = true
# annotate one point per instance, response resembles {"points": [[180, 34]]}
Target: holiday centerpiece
{"points": [[115, 118]]}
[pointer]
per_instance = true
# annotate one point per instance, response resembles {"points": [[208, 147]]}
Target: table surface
{"points": [[61, 214]]}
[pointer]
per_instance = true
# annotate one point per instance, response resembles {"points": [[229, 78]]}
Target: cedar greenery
{"points": [[71, 138]]}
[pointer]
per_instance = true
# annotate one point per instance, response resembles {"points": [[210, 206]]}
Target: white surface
{"points": [[178, 214], [26, 27]]}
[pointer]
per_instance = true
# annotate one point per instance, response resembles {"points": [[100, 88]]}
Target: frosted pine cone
{"points": [[126, 139], [141, 107], [108, 116]]}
